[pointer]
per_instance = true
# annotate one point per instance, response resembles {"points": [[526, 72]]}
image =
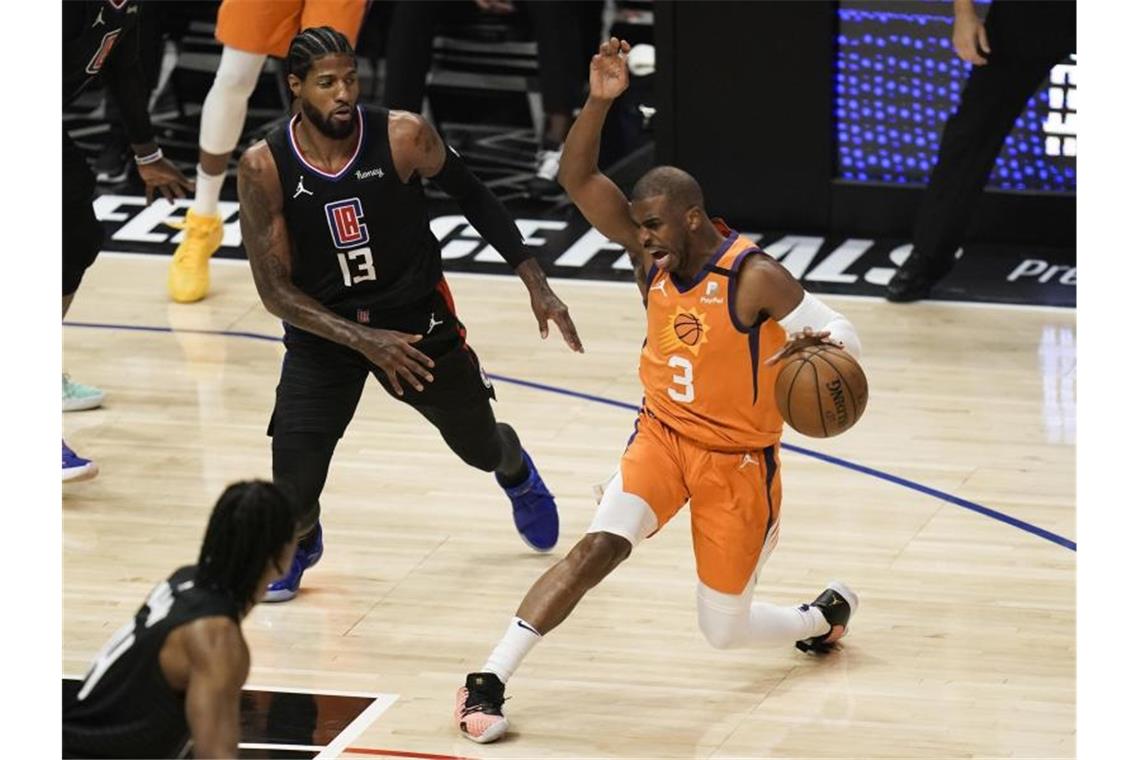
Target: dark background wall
{"points": [[760, 138]]}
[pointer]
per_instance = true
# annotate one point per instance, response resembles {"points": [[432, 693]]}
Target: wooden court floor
{"points": [[964, 645]]}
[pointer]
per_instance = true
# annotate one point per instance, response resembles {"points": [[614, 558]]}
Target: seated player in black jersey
{"points": [[174, 673], [335, 223]]}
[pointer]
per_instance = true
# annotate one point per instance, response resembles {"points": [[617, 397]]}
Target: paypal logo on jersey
{"points": [[346, 223]]}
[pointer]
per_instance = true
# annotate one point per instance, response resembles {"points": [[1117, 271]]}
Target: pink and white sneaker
{"points": [[479, 708]]}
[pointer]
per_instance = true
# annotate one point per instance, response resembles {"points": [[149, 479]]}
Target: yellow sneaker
{"points": [[189, 277]]}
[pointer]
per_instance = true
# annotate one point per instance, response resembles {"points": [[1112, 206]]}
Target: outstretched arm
{"points": [[267, 245], [418, 149], [601, 201]]}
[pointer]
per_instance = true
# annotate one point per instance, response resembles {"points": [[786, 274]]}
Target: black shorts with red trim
{"points": [[321, 381]]}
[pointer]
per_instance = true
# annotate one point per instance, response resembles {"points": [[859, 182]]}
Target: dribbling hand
{"points": [[800, 341], [392, 351], [609, 75]]}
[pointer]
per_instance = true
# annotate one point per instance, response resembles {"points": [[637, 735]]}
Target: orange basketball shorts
{"points": [[734, 498], [267, 27]]}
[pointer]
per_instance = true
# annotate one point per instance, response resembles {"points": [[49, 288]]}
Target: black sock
{"points": [[512, 469]]}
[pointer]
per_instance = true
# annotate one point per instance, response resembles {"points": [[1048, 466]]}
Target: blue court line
{"points": [[856, 467]]}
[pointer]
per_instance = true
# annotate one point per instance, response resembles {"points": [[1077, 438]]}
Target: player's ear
{"points": [[295, 85], [693, 219]]}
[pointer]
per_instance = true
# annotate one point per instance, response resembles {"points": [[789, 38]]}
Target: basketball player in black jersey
{"points": [[176, 671], [335, 224]]}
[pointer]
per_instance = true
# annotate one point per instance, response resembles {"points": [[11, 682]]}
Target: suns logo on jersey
{"points": [[346, 223], [687, 329]]}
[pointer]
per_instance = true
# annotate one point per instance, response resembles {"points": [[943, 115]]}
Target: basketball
{"points": [[688, 329], [821, 391]]}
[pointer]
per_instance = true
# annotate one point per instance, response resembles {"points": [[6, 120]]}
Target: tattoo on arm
{"points": [[430, 150], [268, 247]]}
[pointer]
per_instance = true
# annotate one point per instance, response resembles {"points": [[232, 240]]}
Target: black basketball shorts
{"points": [[321, 381]]}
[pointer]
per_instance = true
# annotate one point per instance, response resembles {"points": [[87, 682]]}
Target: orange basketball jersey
{"points": [[703, 372]]}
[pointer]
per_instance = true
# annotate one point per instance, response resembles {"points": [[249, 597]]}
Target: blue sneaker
{"points": [[536, 515], [75, 467], [285, 588]]}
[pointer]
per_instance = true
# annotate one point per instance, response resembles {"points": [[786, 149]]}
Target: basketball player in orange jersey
{"points": [[249, 30], [708, 432]]}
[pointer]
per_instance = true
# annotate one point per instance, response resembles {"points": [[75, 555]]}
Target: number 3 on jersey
{"points": [[685, 380]]}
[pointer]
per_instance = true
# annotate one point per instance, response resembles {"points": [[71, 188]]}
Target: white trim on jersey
{"points": [[315, 170]]}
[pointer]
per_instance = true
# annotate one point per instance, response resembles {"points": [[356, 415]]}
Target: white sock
{"points": [[734, 620], [769, 624], [207, 190], [508, 654]]}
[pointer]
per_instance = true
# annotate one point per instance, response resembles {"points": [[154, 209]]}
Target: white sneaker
{"points": [[77, 397]]}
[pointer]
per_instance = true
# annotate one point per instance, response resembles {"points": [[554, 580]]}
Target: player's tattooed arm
{"points": [[268, 247], [417, 149], [267, 244]]}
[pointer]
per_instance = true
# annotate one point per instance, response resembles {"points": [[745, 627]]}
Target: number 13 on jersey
{"points": [[348, 230], [356, 266]]}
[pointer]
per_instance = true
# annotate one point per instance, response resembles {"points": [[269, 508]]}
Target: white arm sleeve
{"points": [[817, 315]]}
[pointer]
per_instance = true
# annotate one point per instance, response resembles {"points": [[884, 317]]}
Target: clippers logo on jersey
{"points": [[346, 223], [685, 330], [105, 47]]}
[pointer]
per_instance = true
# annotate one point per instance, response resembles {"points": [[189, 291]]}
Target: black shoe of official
{"points": [[113, 163], [479, 708], [913, 282], [837, 603]]}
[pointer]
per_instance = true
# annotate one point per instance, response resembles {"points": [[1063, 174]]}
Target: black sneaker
{"points": [[837, 603], [113, 163], [479, 708], [915, 280], [544, 184]]}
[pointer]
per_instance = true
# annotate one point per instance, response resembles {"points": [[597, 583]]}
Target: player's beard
{"points": [[327, 127]]}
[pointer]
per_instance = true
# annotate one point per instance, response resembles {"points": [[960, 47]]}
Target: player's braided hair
{"points": [[311, 44], [250, 525]]}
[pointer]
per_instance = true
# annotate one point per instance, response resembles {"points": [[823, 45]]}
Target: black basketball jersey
{"points": [[91, 30], [362, 242], [125, 707]]}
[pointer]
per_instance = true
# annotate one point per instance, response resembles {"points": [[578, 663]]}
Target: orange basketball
{"points": [[821, 391], [688, 329]]}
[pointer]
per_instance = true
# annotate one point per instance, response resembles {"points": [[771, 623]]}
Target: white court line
{"points": [[271, 745], [627, 284], [293, 690], [356, 727], [322, 692]]}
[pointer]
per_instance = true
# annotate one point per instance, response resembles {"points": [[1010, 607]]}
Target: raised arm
{"points": [[268, 247], [601, 201], [218, 661], [417, 149]]}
